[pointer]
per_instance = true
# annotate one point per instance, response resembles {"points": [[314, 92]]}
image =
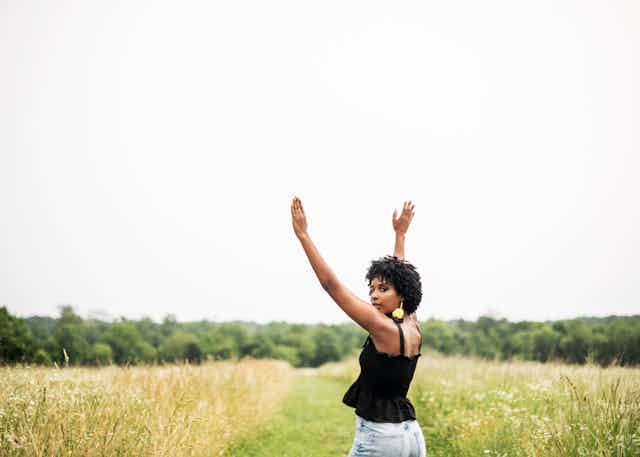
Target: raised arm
{"points": [[400, 226], [363, 313]]}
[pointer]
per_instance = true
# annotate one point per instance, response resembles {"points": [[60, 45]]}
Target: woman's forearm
{"points": [[398, 249], [325, 275]]}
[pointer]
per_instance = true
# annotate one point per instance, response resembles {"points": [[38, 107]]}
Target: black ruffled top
{"points": [[380, 392]]}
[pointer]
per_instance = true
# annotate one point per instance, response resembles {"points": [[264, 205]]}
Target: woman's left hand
{"points": [[401, 224], [298, 218]]}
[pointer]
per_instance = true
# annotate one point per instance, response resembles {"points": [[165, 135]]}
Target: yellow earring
{"points": [[398, 313]]}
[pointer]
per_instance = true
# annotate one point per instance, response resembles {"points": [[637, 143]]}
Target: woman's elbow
{"points": [[329, 284]]}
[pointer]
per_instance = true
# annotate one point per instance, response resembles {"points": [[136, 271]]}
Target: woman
{"points": [[385, 418]]}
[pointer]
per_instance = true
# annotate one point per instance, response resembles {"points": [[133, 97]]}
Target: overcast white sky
{"points": [[149, 152]]}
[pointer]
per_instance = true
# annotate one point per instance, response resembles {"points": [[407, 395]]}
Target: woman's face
{"points": [[383, 296]]}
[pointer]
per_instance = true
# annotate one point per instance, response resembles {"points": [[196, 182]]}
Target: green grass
{"points": [[469, 407], [174, 410], [312, 422], [466, 408]]}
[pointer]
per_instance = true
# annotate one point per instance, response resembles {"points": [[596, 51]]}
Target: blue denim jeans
{"points": [[387, 439]]}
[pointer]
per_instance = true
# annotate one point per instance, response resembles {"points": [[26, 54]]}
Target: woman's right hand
{"points": [[401, 224], [298, 218]]}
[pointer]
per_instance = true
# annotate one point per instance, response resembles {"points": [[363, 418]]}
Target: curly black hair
{"points": [[402, 275]]}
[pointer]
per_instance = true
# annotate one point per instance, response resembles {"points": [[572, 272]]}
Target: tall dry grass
{"points": [[470, 407], [183, 410]]}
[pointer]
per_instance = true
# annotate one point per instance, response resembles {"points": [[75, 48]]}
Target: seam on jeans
{"points": [[417, 435]]}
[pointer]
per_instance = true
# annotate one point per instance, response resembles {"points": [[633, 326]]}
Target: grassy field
{"points": [[138, 411], [312, 422], [471, 407], [466, 407]]}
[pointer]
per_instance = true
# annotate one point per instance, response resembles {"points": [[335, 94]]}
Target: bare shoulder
{"points": [[412, 329], [387, 337]]}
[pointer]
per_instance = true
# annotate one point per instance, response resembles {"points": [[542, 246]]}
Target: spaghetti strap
{"points": [[401, 338]]}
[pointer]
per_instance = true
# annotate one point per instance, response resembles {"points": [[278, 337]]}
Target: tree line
{"points": [[71, 340]]}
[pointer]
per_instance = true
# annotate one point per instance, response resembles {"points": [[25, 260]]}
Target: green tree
{"points": [[218, 346], [261, 346], [545, 343], [287, 353], [483, 345], [16, 342], [305, 346], [102, 354], [522, 342], [576, 345], [127, 344], [169, 324], [70, 339], [327, 346], [181, 346], [68, 316], [42, 357], [150, 331], [439, 336], [68, 335]]}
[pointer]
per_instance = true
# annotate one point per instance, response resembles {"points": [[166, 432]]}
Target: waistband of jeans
{"points": [[386, 425]]}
